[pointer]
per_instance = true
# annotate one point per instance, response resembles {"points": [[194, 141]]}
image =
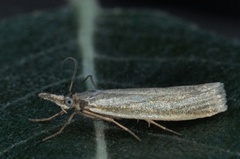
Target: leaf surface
{"points": [[133, 49]]}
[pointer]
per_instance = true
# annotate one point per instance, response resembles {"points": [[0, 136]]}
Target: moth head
{"points": [[65, 102]]}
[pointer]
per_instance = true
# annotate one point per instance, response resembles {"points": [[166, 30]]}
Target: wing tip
{"points": [[221, 96]]}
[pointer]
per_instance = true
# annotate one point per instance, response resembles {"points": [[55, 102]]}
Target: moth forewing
{"points": [[169, 104]]}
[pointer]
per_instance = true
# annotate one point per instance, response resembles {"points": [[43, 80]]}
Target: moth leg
{"points": [[63, 127], [149, 124], [47, 119], [113, 121], [147, 121], [91, 78], [162, 127]]}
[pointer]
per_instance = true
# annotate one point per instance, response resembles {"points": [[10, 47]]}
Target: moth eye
{"points": [[68, 101]]}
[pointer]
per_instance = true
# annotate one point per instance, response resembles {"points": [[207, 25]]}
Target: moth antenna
{"points": [[74, 72]]}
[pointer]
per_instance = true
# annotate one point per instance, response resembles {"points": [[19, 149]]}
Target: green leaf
{"points": [[133, 48]]}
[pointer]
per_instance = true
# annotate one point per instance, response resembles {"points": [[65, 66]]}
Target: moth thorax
{"points": [[82, 104]]}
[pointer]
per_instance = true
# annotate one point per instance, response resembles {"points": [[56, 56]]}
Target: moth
{"points": [[150, 104]]}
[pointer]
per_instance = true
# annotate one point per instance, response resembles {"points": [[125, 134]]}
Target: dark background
{"points": [[221, 17]]}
